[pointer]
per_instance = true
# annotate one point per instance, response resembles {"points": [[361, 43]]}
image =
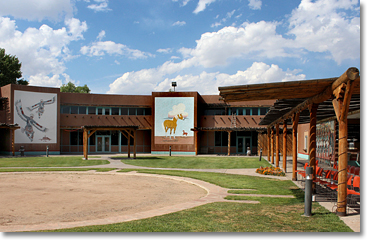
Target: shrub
{"points": [[274, 171]]}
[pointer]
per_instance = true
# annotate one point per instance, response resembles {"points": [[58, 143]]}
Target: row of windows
{"points": [[104, 110], [237, 111]]}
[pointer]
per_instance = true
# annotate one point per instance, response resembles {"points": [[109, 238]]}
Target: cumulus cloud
{"points": [[43, 51], [101, 35], [165, 51], [322, 26], [178, 109], [37, 9], [255, 4], [101, 48]]}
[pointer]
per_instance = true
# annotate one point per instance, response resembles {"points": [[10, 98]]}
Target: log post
{"points": [[284, 144], [85, 144], [135, 131], [228, 142], [272, 145], [128, 143], [312, 147], [277, 145], [341, 107], [268, 144], [295, 120]]}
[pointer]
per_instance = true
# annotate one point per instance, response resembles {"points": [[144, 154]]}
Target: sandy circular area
{"points": [[42, 198]]}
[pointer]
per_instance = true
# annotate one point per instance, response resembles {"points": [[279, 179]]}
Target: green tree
{"points": [[70, 87], [10, 70]]}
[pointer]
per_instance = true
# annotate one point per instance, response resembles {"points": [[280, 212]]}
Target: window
{"points": [[74, 110], [115, 111], [221, 138], [214, 111], [147, 111], [140, 111], [254, 111], [82, 110], [100, 111], [263, 111], [64, 109], [114, 137], [124, 111], [106, 111], [92, 110], [132, 111], [76, 138]]}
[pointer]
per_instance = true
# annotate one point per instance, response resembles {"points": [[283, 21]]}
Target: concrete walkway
{"points": [[214, 194]]}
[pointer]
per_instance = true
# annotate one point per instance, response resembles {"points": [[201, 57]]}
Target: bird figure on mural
{"points": [[41, 106]]}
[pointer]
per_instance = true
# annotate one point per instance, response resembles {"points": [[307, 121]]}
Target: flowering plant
{"points": [[275, 171]]}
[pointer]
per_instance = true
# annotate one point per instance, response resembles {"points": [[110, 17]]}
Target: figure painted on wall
{"points": [[41, 106], [172, 125], [30, 122]]}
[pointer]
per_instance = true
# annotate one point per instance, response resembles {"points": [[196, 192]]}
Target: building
{"points": [[39, 118]]}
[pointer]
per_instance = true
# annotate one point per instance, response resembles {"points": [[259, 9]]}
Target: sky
{"points": [[141, 46]]}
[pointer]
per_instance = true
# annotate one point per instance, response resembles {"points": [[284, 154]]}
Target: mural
{"points": [[325, 141], [174, 117], [29, 104]]}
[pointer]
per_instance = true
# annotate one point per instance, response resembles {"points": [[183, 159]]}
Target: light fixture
{"points": [[174, 84]]}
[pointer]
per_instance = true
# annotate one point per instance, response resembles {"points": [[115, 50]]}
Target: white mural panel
{"points": [[36, 114]]}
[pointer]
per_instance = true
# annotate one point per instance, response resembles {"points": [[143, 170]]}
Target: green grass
{"points": [[57, 161], [270, 215], [196, 162]]}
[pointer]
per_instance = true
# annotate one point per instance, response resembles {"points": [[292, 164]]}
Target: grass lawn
{"points": [[54, 169], [197, 162], [270, 215], [53, 161]]}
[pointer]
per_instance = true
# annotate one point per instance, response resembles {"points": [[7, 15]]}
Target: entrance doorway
{"points": [[244, 142], [102, 143]]}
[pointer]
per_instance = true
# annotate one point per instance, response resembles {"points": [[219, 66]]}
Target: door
{"points": [[244, 143], [102, 143]]}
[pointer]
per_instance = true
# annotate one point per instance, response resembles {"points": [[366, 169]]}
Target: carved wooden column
{"points": [[268, 144], [85, 144], [228, 142], [295, 120], [272, 145], [312, 147], [284, 144], [277, 145], [341, 102]]}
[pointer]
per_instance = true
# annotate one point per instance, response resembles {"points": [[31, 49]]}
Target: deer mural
{"points": [[172, 124]]}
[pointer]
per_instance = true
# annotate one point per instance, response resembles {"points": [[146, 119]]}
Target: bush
{"points": [[274, 171]]}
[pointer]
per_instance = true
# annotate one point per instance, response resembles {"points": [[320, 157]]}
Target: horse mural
{"points": [[172, 124]]}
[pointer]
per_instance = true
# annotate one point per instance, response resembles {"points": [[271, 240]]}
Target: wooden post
{"points": [[312, 147], [228, 142], [268, 143], [135, 143], [128, 143], [295, 120], [272, 145], [341, 106], [284, 144], [85, 144], [277, 145], [13, 148]]}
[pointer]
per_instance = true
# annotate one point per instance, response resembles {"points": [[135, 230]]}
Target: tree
{"points": [[10, 70], [70, 87]]}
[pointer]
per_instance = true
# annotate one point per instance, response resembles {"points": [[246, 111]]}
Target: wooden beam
{"points": [[135, 131], [277, 145], [285, 131], [85, 144], [350, 74], [295, 120], [128, 144]]}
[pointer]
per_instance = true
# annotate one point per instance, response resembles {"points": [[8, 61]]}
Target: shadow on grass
{"points": [[137, 158]]}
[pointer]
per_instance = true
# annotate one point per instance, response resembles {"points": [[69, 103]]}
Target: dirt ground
{"points": [[41, 198]]}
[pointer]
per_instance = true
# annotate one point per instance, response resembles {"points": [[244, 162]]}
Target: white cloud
{"points": [[202, 4], [165, 51], [179, 23], [37, 9], [41, 51], [100, 48], [100, 6], [321, 27], [255, 4], [101, 35]]}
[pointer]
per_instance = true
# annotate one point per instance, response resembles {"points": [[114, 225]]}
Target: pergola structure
{"points": [[12, 128], [303, 102], [127, 131]]}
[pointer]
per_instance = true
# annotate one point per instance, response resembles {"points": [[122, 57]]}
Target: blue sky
{"points": [[136, 47]]}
